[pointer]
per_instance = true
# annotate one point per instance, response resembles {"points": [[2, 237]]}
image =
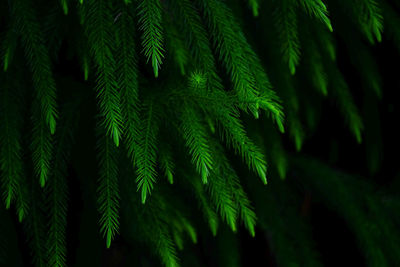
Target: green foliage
{"points": [[196, 138], [98, 24], [107, 190], [286, 23], [147, 150], [11, 164], [28, 27], [185, 145], [150, 20]]}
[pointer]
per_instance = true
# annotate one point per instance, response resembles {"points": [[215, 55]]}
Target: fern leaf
{"points": [[195, 136], [34, 227], [127, 78], [221, 195], [234, 134], [57, 190], [150, 20], [8, 46], [318, 9], [41, 146], [255, 6], [190, 23], [209, 213], [147, 151], [346, 104], [38, 60], [98, 24], [243, 205], [10, 146], [64, 5], [167, 164], [227, 35], [107, 190], [286, 23]]}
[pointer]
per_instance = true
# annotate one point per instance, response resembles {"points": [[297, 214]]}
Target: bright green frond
{"points": [[147, 150], [98, 23], [318, 9], [196, 138], [127, 74], [150, 20]]}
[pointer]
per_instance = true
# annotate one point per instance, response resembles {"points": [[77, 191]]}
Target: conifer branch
{"points": [[254, 5], [222, 198], [209, 213], [34, 227], [235, 135], [127, 74], [147, 150], [57, 191], [346, 104], [150, 20], [108, 189], [195, 136], [38, 60], [226, 36], [98, 24], [9, 44], [10, 148], [190, 23], [41, 146], [167, 164], [176, 47], [286, 23], [318, 9], [242, 203]]}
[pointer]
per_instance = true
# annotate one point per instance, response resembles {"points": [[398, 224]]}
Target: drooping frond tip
{"points": [[150, 20]]}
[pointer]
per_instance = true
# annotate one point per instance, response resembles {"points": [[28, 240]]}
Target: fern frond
{"points": [[195, 136], [147, 150], [10, 147], [368, 16], [318, 9], [318, 75], [227, 35], [209, 213], [222, 198], [38, 60], [296, 130], [167, 164], [64, 5], [247, 214], [34, 227], [108, 190], [98, 23], [176, 47], [56, 190], [190, 23], [286, 24], [8, 46], [127, 73], [235, 135], [267, 98], [150, 20], [255, 6], [41, 146], [346, 104]]}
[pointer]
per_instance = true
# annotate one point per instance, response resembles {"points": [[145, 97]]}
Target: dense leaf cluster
{"points": [[180, 90]]}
